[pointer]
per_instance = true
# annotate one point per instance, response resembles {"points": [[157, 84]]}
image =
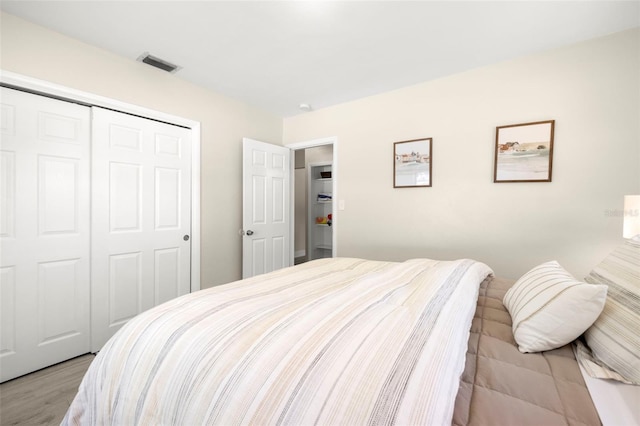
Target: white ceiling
{"points": [[276, 55]]}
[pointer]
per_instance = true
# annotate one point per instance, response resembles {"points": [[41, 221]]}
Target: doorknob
{"points": [[186, 238], [249, 232]]}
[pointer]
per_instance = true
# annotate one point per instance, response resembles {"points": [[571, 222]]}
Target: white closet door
{"points": [[141, 218], [44, 232]]}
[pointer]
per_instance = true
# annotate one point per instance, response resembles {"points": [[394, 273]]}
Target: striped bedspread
{"points": [[334, 341]]}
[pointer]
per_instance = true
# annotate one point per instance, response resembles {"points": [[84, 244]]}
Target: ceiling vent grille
{"points": [[154, 61]]}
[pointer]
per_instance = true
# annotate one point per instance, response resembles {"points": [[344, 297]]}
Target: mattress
{"points": [[502, 386]]}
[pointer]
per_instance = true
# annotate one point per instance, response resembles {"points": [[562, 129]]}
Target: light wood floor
{"points": [[43, 397]]}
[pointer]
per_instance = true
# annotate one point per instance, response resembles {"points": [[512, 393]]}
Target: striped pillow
{"points": [[549, 308], [614, 338]]}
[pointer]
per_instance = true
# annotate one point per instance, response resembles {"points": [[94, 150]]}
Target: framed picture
{"points": [[524, 152], [412, 163]]}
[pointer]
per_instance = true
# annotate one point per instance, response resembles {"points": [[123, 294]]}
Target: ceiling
{"points": [[277, 55]]}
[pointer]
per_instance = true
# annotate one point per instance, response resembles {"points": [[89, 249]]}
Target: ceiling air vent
{"points": [[158, 63]]}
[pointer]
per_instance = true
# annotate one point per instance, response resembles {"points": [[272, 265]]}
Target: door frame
{"points": [[52, 90], [330, 140]]}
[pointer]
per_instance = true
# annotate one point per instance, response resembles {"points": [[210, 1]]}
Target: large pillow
{"points": [[549, 308], [614, 338]]}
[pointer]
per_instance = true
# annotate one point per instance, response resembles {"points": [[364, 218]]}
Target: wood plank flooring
{"points": [[43, 397]]}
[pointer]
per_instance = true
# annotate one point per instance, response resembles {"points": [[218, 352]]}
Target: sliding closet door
{"points": [[141, 218], [44, 232]]}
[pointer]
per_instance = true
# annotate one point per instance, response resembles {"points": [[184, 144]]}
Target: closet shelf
{"points": [[319, 210]]}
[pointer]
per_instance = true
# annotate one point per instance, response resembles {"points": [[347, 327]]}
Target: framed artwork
{"points": [[524, 152], [412, 163]]}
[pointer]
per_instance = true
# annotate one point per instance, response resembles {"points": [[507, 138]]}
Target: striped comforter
{"points": [[333, 341]]}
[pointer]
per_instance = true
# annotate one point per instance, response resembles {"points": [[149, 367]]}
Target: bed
{"points": [[334, 341]]}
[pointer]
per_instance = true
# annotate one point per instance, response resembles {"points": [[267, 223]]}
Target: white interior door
{"points": [[141, 218], [266, 208], [44, 232]]}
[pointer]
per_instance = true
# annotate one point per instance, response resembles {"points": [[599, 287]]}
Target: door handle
{"points": [[186, 238], [249, 232]]}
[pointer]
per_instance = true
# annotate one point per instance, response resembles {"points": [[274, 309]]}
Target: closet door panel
{"points": [[125, 287], [58, 283], [57, 195], [168, 198], [167, 274], [141, 218], [44, 232], [7, 194], [8, 311], [125, 197]]}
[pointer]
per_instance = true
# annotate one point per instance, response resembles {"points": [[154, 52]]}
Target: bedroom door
{"points": [[266, 207], [44, 232], [141, 221]]}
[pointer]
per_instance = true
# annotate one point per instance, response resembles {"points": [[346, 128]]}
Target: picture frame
{"points": [[412, 162], [524, 152]]}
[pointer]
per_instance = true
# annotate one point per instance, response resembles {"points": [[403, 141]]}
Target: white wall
{"points": [[36, 52], [592, 90]]}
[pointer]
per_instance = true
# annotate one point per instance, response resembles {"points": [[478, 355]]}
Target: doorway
{"points": [[263, 173], [313, 218]]}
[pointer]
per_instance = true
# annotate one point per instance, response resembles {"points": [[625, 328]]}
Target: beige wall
{"points": [[591, 89], [36, 52]]}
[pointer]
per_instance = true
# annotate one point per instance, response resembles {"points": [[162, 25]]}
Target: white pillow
{"points": [[549, 308]]}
